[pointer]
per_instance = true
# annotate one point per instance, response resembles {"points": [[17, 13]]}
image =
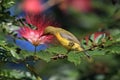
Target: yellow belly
{"points": [[64, 42]]}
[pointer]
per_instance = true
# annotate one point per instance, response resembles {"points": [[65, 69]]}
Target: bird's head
{"points": [[50, 30]]}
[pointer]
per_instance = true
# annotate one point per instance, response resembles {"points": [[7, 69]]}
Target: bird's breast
{"points": [[70, 45], [62, 40]]}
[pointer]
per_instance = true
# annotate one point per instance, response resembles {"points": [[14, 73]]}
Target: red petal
{"points": [[97, 34], [87, 39]]}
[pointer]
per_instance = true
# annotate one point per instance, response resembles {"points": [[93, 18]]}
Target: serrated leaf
{"points": [[116, 38], [107, 43], [74, 58], [25, 54], [113, 49], [96, 52], [57, 50], [44, 56]]}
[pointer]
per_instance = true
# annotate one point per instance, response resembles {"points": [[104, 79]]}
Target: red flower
{"points": [[32, 6], [36, 36]]}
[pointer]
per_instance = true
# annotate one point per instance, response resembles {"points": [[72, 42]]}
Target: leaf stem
{"points": [[35, 50]]}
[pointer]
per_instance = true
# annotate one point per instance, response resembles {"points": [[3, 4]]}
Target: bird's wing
{"points": [[69, 36]]}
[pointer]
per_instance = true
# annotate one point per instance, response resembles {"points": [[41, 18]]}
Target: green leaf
{"points": [[74, 58], [44, 56], [117, 37], [25, 54], [7, 3], [13, 74], [113, 49], [57, 50], [96, 52], [14, 54]]}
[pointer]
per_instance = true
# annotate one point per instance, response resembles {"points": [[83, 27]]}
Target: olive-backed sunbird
{"points": [[66, 39]]}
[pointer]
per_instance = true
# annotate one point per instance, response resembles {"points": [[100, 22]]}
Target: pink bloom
{"points": [[32, 6], [35, 36]]}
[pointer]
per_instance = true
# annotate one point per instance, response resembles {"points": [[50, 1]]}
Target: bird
{"points": [[66, 39]]}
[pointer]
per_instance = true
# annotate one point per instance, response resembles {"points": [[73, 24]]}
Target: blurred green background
{"points": [[103, 15]]}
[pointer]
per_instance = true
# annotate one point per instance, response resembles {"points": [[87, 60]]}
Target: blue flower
{"points": [[26, 45]]}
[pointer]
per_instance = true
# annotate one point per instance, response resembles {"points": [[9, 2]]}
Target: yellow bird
{"points": [[66, 39]]}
